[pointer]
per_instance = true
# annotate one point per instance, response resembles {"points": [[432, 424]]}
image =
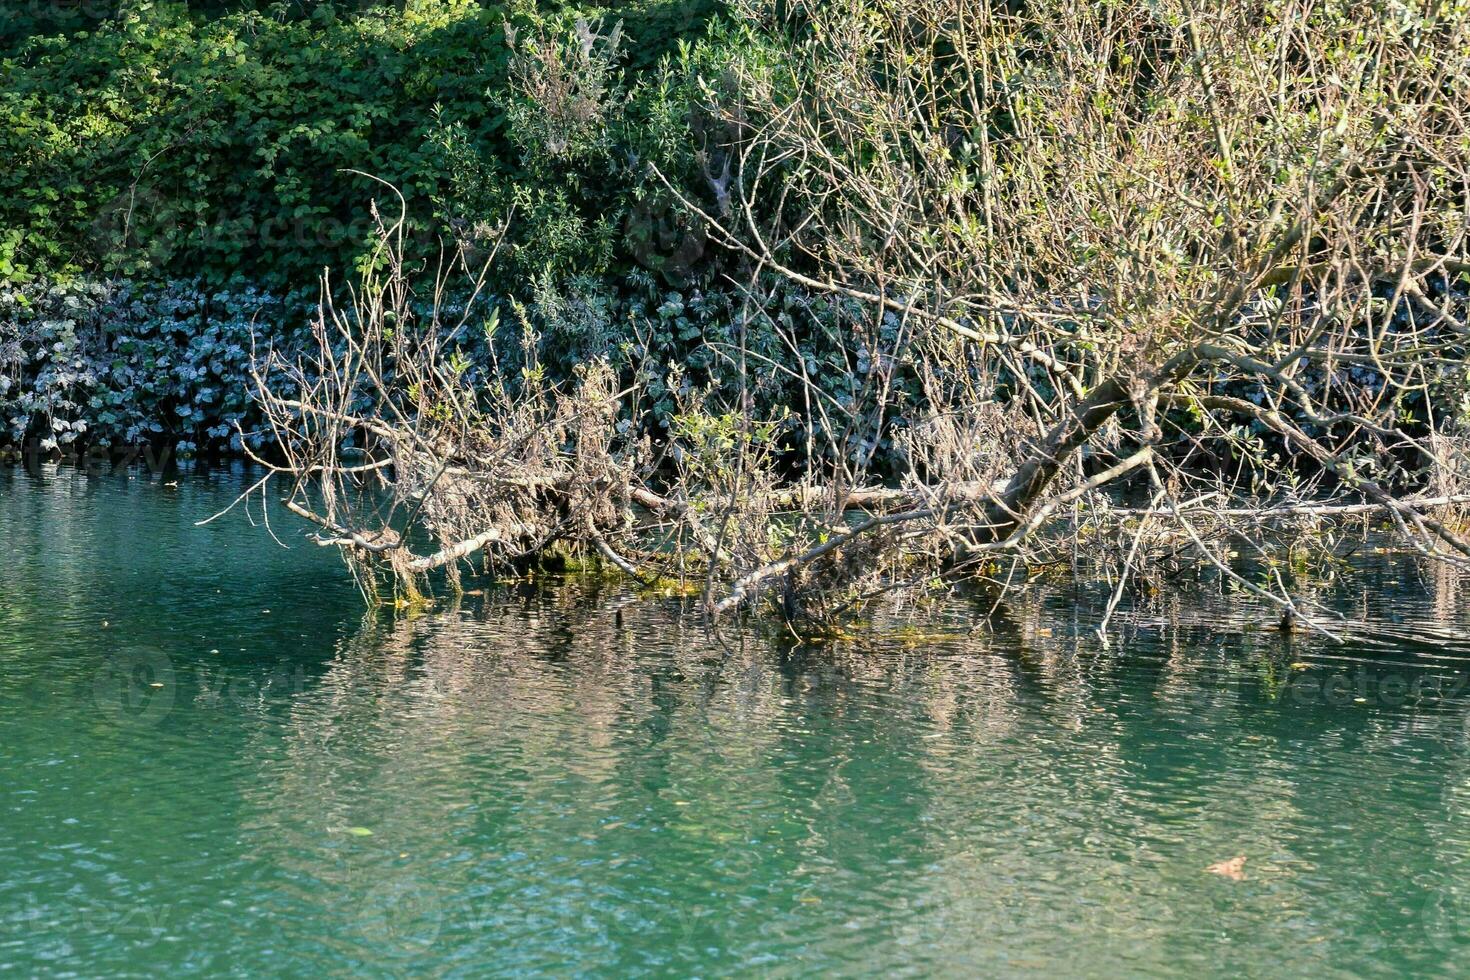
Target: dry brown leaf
{"points": [[1234, 869]]}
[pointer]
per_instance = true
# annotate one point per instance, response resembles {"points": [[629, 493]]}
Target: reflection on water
{"points": [[239, 772]]}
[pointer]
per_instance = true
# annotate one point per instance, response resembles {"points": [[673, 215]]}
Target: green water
{"points": [[574, 782]]}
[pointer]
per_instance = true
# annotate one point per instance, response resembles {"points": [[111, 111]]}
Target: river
{"points": [[214, 761]]}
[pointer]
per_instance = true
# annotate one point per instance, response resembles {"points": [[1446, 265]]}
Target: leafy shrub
{"points": [[177, 151], [116, 364], [770, 352], [166, 144]]}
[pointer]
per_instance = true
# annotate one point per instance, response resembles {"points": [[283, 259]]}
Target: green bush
{"points": [[164, 143], [175, 169], [116, 364]]}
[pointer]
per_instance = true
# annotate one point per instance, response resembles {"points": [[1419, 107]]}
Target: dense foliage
{"points": [[167, 143], [120, 365], [209, 160], [178, 175]]}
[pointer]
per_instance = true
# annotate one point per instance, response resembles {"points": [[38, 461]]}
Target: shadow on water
{"points": [[214, 761]]}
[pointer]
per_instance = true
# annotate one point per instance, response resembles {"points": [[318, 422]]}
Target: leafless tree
{"points": [[1162, 225], [1175, 280]]}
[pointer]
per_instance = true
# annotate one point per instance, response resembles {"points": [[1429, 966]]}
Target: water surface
{"points": [[213, 762]]}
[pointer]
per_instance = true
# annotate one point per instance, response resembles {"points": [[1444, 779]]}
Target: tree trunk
{"points": [[1010, 507]]}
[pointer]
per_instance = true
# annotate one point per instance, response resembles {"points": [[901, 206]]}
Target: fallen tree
{"points": [[1213, 259]]}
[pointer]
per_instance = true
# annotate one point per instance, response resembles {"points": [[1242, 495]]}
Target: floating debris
{"points": [[1234, 869]]}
